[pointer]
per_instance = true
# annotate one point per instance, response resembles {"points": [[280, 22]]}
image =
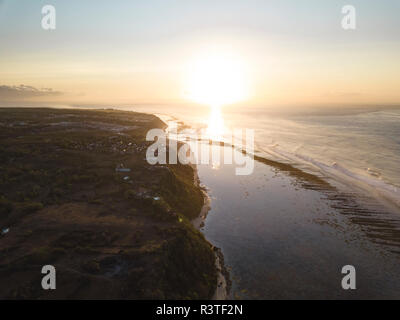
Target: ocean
{"points": [[282, 236], [356, 148]]}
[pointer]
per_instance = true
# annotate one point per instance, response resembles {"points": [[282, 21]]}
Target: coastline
{"points": [[283, 217], [345, 204], [222, 290], [304, 206], [224, 283]]}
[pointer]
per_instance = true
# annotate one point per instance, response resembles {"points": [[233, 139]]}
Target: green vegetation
{"points": [[111, 235]]}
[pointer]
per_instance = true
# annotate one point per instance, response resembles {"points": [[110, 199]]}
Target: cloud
{"points": [[22, 92]]}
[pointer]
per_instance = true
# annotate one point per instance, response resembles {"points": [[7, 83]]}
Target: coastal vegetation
{"points": [[76, 192]]}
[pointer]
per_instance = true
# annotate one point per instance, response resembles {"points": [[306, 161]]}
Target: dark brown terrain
{"points": [[110, 234]]}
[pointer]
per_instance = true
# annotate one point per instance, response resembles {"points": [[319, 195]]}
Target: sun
{"points": [[216, 79]]}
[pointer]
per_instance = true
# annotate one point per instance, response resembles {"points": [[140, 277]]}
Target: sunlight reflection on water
{"points": [[215, 129]]}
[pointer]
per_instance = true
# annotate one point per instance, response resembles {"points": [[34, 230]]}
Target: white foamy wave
{"points": [[369, 183]]}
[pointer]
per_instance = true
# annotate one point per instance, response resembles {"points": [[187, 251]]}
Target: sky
{"points": [[137, 52]]}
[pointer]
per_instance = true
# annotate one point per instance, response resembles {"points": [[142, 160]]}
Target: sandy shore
{"points": [[198, 222], [223, 284], [222, 290]]}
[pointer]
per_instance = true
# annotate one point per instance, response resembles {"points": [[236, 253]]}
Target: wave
{"points": [[363, 181], [369, 183]]}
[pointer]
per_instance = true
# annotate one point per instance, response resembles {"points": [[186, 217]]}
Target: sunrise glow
{"points": [[216, 79]]}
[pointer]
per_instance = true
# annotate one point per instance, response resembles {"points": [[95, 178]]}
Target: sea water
{"points": [[355, 147], [283, 240]]}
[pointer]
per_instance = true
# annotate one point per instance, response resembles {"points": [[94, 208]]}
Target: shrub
{"points": [[30, 207], [6, 206]]}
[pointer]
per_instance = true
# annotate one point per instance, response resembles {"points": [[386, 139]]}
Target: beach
{"points": [[222, 289], [281, 240], [286, 233]]}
